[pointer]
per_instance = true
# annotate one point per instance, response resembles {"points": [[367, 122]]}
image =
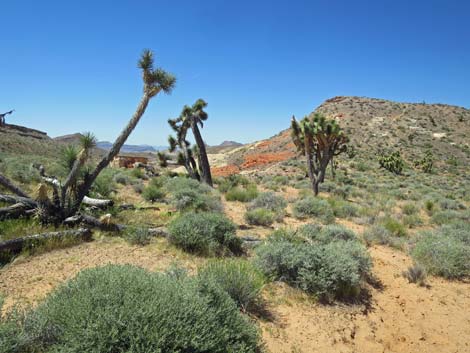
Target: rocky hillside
{"points": [[372, 124]]}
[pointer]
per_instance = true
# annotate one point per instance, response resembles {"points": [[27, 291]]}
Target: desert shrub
{"points": [[152, 193], [343, 209], [137, 236], [138, 187], [331, 270], [380, 235], [335, 232], [239, 278], [449, 204], [104, 184], [445, 217], [138, 173], [190, 195], [260, 217], [122, 178], [269, 201], [227, 183], [412, 221], [429, 206], [242, 194], [445, 251], [205, 234], [394, 226], [266, 205], [313, 207], [415, 274], [409, 209], [122, 308]]}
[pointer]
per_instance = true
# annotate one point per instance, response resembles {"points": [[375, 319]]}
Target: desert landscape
{"points": [[250, 228]]}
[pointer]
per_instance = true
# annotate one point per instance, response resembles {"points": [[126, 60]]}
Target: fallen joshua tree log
{"points": [[18, 244]]}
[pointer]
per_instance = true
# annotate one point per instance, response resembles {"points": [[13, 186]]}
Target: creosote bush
{"points": [[321, 264], [122, 308], [205, 234], [239, 278], [313, 207]]}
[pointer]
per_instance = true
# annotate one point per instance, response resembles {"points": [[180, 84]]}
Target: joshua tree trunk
{"points": [[85, 188], [205, 167]]}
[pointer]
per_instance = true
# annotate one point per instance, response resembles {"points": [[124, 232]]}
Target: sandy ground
{"points": [[397, 317]]}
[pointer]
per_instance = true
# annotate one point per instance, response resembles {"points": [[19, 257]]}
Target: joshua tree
{"points": [[392, 161], [68, 196], [191, 118], [319, 140], [2, 116]]}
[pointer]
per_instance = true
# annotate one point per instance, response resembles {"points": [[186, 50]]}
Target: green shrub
{"points": [[378, 234], [444, 252], [312, 207], [260, 217], [335, 232], [227, 183], [415, 274], [137, 236], [394, 227], [122, 308], [271, 202], [122, 178], [191, 195], [152, 193], [412, 221], [343, 209], [446, 216], [239, 278], [409, 209], [104, 184], [242, 194], [429, 206], [330, 270], [205, 234], [138, 173]]}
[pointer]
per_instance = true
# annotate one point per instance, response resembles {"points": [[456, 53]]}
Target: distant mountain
{"points": [[106, 145], [69, 139], [230, 144]]}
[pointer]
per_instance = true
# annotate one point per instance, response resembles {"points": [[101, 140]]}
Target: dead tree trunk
{"points": [[18, 244]]}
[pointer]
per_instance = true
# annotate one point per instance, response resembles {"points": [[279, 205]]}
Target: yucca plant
{"points": [[319, 139]]}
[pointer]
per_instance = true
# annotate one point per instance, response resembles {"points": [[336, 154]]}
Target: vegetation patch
{"points": [[205, 234], [121, 308]]}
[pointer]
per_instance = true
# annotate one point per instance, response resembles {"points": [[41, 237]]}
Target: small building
{"points": [[129, 161]]}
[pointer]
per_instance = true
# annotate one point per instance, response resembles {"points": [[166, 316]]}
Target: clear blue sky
{"points": [[70, 66]]}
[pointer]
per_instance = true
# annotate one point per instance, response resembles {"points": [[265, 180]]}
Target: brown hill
{"points": [[373, 124]]}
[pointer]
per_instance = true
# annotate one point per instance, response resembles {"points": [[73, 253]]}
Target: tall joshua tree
{"points": [[191, 118], [319, 139], [68, 196]]}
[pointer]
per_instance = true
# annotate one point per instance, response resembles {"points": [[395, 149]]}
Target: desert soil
{"points": [[397, 317]]}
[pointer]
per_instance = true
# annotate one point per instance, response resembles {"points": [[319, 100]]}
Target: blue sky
{"points": [[70, 66]]}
